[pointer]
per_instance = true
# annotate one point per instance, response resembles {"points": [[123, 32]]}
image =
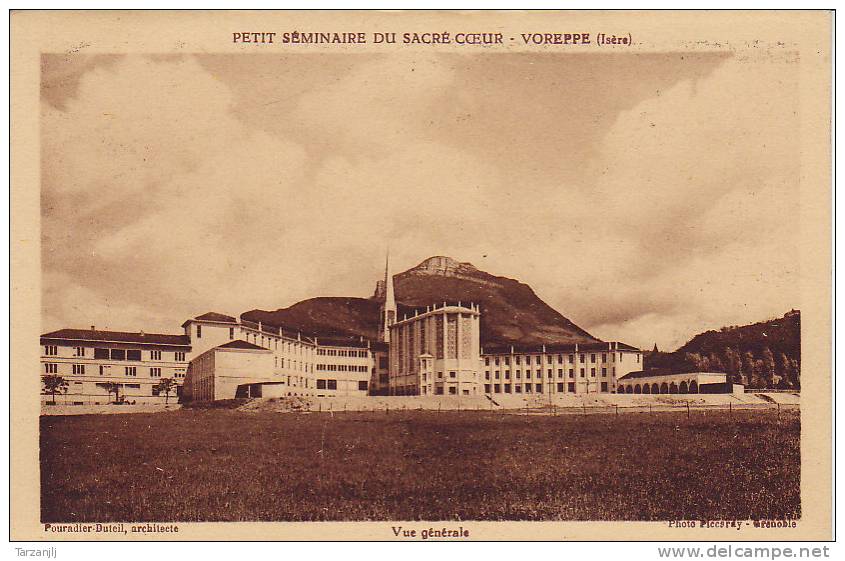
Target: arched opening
{"points": [[684, 388], [664, 388], [693, 387], [629, 389], [638, 389], [673, 388], [655, 388], [646, 388]]}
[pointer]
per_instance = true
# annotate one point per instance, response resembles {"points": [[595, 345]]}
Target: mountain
{"points": [[762, 354], [510, 311]]}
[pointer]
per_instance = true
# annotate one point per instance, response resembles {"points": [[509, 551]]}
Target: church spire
{"points": [[388, 307]]}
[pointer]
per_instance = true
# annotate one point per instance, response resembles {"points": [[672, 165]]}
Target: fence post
{"points": [[649, 408], [688, 413], [617, 410], [584, 407], [320, 406], [730, 408], [778, 404]]}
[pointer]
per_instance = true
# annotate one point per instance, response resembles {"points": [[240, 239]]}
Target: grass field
{"points": [[223, 465]]}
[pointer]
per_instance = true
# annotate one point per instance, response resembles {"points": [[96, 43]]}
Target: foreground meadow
{"points": [[225, 465]]}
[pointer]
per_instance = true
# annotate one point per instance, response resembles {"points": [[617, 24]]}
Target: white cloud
{"points": [[163, 200]]}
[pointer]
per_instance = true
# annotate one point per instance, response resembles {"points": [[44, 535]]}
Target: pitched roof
{"points": [[241, 344], [351, 341], [118, 336], [214, 316], [519, 348]]}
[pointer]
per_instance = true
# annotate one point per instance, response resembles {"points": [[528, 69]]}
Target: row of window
{"points": [[343, 352], [452, 374], [342, 368], [113, 354], [294, 364], [262, 341], [105, 369], [582, 358], [549, 372], [534, 388], [332, 385]]}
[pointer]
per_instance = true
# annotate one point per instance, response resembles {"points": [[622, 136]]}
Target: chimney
{"points": [[93, 328]]}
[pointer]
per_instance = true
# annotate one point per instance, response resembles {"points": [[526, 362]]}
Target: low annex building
{"points": [[231, 370], [662, 382]]}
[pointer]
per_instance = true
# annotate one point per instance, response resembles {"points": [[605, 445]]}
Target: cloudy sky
{"points": [[646, 197]]}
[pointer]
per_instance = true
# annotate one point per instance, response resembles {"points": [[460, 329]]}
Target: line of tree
{"points": [[763, 355], [757, 372], [53, 384]]}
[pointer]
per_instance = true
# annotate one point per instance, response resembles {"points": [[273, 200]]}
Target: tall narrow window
{"points": [[199, 332]]}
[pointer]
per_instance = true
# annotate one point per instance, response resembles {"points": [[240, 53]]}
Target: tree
{"points": [[748, 365], [786, 379], [113, 388], [757, 380], [716, 364], [53, 384], [693, 361], [165, 386], [795, 373], [733, 364], [768, 368]]}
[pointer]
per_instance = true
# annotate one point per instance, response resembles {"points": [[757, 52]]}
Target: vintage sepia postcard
{"points": [[477, 275]]}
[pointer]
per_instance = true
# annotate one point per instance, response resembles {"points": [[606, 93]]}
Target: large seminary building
{"points": [[435, 350]]}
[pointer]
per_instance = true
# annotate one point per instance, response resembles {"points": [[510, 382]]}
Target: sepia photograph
{"points": [[430, 267]]}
